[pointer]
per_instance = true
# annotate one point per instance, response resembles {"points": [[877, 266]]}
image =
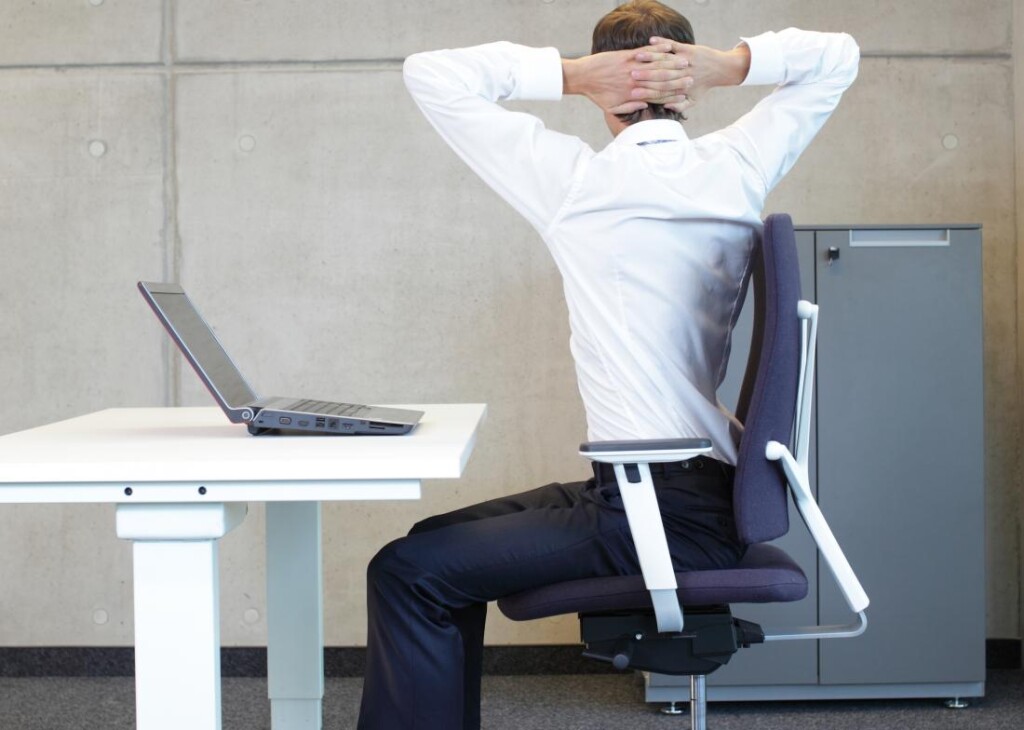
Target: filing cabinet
{"points": [[897, 463]]}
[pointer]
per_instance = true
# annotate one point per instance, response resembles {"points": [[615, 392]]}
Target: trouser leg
{"points": [[427, 594], [470, 622]]}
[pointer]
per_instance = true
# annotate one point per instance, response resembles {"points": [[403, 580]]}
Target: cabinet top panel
{"points": [[890, 226]]}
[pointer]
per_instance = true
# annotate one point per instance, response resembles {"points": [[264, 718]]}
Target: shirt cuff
{"points": [[539, 75], [767, 61]]}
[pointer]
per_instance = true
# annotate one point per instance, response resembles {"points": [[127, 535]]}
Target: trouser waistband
{"points": [[699, 465]]}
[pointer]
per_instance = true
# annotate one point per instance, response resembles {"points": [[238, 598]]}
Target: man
{"points": [[652, 236]]}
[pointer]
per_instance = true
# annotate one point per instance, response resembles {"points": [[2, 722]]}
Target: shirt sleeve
{"points": [[811, 71], [528, 165]]}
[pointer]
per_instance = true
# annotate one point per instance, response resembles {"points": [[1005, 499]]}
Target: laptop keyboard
{"points": [[344, 410]]}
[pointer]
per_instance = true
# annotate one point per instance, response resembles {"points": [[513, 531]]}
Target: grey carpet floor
{"points": [[593, 702]]}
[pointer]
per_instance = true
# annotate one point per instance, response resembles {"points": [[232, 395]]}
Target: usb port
{"points": [[285, 421], [321, 422]]}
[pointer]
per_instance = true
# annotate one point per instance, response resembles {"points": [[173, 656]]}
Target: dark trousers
{"points": [[427, 593]]}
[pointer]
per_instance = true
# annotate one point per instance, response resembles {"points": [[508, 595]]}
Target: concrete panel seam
{"points": [[171, 235], [384, 64], [341, 65], [1017, 32], [84, 67], [994, 56], [166, 18], [372, 64], [214, 68]]}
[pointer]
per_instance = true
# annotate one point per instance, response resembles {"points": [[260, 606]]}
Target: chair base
{"points": [[698, 704], [630, 640]]}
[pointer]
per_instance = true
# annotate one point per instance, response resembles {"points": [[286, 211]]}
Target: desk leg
{"points": [[177, 610], [295, 633]]}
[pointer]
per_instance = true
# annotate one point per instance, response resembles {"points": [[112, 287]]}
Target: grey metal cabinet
{"points": [[898, 467]]}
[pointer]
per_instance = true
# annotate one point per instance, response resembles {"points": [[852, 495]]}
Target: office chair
{"points": [[637, 622]]}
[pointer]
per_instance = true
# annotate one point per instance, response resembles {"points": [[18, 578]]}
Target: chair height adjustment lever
{"points": [[623, 657], [620, 656]]}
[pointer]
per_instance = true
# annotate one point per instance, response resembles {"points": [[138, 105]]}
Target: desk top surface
{"points": [[199, 444]]}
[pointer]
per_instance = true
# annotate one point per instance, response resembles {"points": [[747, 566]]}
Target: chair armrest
{"points": [[645, 451], [631, 461], [828, 547], [825, 540]]}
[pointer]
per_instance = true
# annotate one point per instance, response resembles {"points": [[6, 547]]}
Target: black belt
{"points": [[605, 473]]}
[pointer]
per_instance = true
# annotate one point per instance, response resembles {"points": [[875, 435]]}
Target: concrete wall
{"points": [[253, 150]]}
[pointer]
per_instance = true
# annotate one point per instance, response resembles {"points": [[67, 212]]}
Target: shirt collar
{"points": [[652, 130]]}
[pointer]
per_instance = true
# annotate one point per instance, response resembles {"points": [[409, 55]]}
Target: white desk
{"points": [[181, 478]]}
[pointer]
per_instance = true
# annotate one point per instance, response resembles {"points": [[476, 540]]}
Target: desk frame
{"points": [[177, 608], [175, 527]]}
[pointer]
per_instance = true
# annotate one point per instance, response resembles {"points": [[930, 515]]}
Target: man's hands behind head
{"points": [[610, 79], [706, 68], [676, 75]]}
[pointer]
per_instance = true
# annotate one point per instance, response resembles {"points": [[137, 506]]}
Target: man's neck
{"points": [[616, 126]]}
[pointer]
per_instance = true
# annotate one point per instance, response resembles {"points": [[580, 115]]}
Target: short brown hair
{"points": [[631, 25]]}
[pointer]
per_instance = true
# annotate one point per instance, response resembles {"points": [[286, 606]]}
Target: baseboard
{"points": [[96, 661], [107, 661], [1003, 653]]}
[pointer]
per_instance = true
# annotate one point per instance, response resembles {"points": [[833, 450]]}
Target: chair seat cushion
{"points": [[766, 574]]}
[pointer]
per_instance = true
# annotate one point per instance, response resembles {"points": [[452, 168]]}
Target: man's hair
{"points": [[631, 25]]}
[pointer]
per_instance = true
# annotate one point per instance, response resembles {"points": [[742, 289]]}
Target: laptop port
{"points": [[321, 422], [284, 421], [304, 424]]}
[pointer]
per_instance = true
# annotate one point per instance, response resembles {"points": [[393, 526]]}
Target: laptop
{"points": [[270, 415]]}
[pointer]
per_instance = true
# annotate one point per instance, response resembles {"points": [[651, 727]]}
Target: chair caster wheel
{"points": [[957, 703]]}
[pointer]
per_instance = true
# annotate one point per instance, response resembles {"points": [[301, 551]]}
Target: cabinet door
{"points": [[781, 662], [900, 454]]}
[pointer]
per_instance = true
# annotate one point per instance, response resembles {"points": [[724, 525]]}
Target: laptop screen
{"points": [[200, 346]]}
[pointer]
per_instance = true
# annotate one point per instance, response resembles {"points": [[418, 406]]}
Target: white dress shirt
{"points": [[652, 234]]}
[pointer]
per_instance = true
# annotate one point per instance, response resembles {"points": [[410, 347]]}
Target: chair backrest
{"points": [[767, 401]]}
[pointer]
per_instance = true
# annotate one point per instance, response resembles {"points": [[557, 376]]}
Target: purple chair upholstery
{"points": [[765, 575], [767, 409], [767, 403]]}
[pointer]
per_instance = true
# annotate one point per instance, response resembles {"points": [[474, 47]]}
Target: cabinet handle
{"points": [[899, 237], [833, 254]]}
